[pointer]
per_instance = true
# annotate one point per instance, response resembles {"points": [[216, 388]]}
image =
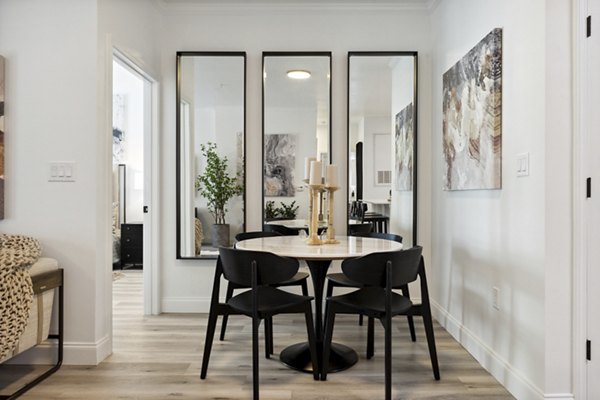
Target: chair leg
{"points": [[330, 319], [329, 288], [268, 337], [409, 318], [310, 328], [304, 287], [360, 319], [255, 324], [427, 321], [370, 338], [228, 296], [388, 357], [210, 333], [329, 293]]}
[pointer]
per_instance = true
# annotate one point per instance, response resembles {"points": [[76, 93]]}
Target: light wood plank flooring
{"points": [[158, 357]]}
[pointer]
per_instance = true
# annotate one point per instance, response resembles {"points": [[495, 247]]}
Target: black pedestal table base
{"points": [[297, 356]]}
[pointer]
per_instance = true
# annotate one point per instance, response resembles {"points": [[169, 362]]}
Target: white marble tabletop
{"points": [[294, 246], [303, 223]]}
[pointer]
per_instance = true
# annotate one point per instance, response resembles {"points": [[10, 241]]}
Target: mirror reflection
{"points": [[382, 136], [296, 129], [210, 151]]}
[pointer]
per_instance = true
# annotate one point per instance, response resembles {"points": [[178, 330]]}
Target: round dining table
{"points": [[318, 259]]}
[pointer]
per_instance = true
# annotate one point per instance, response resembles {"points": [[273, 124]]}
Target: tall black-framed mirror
{"points": [[211, 127], [382, 141], [296, 120]]}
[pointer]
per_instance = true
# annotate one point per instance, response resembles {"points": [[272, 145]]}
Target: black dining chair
{"points": [[339, 279], [299, 279], [259, 271], [379, 273], [281, 229], [357, 229]]}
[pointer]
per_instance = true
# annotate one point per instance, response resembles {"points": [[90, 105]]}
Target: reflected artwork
{"points": [[472, 118], [280, 158], [403, 149]]}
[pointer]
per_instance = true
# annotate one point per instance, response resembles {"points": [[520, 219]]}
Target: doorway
{"points": [[133, 122]]}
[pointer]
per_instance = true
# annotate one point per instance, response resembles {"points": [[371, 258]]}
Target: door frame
{"points": [[580, 173], [151, 162]]}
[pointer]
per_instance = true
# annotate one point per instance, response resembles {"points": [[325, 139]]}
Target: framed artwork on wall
{"points": [[472, 118]]}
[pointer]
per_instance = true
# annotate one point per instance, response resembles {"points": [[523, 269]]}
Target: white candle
{"points": [[331, 176], [315, 173], [307, 161]]}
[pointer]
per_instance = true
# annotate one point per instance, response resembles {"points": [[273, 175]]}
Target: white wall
{"points": [[517, 238], [57, 109], [186, 285], [51, 115]]}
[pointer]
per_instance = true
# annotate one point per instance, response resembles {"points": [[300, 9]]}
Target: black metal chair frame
{"points": [[406, 266], [41, 283], [263, 276]]}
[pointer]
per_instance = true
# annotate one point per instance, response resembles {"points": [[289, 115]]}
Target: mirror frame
{"points": [[413, 54], [288, 54], [178, 140]]}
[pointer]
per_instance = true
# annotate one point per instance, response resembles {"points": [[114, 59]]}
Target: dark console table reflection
{"points": [[132, 245]]}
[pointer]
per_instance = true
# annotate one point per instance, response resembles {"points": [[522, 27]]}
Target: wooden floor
{"points": [[158, 357]]}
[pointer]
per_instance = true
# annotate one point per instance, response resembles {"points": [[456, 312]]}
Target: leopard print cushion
{"points": [[17, 253]]}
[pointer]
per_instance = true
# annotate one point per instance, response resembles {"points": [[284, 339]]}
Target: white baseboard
{"points": [[185, 304], [515, 382], [560, 396], [74, 353]]}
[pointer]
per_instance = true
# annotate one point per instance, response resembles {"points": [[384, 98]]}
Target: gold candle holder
{"points": [[330, 229], [313, 227]]}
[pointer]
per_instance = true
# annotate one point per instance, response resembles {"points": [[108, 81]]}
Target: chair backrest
{"points": [[381, 235], [270, 268], [281, 229], [357, 229], [253, 235], [370, 270]]}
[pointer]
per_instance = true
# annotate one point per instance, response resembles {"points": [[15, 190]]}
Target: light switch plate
{"points": [[523, 164], [61, 171]]}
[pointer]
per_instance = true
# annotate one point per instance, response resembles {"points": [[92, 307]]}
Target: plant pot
{"points": [[220, 235]]}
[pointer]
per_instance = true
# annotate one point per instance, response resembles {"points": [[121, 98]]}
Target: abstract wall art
{"points": [[2, 137], [472, 118], [404, 140], [118, 128], [280, 159]]}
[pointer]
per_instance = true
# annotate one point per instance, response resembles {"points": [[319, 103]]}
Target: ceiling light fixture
{"points": [[298, 74]]}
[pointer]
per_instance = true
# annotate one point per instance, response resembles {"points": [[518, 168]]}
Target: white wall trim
{"points": [[83, 353], [75, 353], [513, 380], [257, 7], [579, 232], [185, 304], [561, 396]]}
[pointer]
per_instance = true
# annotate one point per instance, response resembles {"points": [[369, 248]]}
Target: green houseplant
{"points": [[217, 187]]}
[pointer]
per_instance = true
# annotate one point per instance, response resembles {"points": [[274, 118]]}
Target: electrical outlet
{"points": [[495, 297]]}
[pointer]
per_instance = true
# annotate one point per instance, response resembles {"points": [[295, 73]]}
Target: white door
{"points": [[592, 206]]}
